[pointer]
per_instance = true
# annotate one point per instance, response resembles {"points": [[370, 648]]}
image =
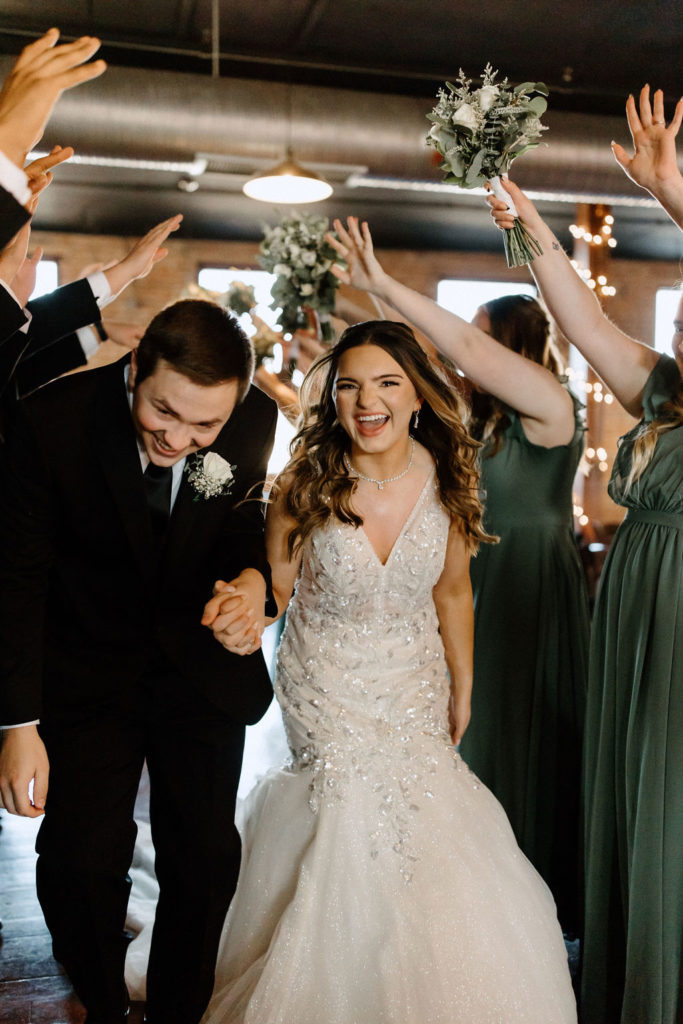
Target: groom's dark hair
{"points": [[200, 340]]}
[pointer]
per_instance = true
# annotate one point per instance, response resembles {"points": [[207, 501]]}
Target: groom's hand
{"points": [[235, 613], [23, 759]]}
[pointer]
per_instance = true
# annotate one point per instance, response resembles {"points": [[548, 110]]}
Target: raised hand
{"points": [[653, 165], [354, 245], [501, 212], [39, 77], [142, 257]]}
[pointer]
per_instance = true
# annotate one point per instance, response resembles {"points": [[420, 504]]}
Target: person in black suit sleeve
{"points": [[43, 344], [101, 598]]}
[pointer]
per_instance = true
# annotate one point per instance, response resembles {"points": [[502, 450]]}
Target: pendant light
{"points": [[287, 182]]}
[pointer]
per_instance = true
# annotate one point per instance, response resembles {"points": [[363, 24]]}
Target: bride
{"points": [[380, 881]]}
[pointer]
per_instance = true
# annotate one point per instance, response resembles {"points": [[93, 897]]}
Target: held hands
{"points": [[459, 711], [39, 77], [355, 246], [653, 166], [142, 257], [23, 760], [235, 613]]}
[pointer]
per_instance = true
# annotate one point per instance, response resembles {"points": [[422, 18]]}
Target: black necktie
{"points": [[158, 484]]}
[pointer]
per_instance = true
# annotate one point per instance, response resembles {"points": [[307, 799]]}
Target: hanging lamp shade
{"points": [[287, 182]]}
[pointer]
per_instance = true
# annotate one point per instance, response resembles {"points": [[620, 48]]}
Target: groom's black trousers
{"points": [[85, 845]]}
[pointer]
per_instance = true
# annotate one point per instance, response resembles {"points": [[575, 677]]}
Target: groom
{"points": [[112, 531]]}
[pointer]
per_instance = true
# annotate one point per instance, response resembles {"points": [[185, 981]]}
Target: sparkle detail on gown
{"points": [[381, 882]]}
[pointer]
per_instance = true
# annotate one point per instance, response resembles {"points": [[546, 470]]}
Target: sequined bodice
{"points": [[361, 677]]}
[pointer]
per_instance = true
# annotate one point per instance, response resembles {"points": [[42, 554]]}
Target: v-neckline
{"points": [[403, 529]]}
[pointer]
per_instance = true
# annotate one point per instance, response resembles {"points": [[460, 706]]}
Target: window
{"points": [[47, 278], [666, 304], [465, 297], [219, 279]]}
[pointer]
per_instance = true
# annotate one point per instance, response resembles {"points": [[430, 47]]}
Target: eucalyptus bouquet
{"points": [[479, 132], [240, 298], [297, 252]]}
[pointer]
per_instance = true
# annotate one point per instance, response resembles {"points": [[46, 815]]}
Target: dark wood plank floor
{"points": [[33, 987]]}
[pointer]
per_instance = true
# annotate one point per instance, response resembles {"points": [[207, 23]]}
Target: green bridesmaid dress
{"points": [[531, 655], [634, 744]]}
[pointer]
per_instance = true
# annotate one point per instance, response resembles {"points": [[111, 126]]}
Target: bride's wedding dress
{"points": [[381, 882]]}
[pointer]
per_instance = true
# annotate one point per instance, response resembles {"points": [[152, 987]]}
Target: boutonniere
{"points": [[210, 475]]}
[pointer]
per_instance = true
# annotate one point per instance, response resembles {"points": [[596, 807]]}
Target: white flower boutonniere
{"points": [[210, 475]]}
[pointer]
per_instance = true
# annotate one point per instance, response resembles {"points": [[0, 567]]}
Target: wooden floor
{"points": [[33, 987]]}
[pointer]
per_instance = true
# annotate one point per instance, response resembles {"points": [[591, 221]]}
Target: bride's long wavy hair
{"points": [[315, 485]]}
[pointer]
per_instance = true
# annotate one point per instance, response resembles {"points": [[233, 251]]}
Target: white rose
{"points": [[294, 250], [216, 468], [282, 270], [308, 258], [487, 96], [306, 289], [465, 116], [441, 136]]}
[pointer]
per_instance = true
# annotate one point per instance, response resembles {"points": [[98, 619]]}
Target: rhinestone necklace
{"points": [[387, 480]]}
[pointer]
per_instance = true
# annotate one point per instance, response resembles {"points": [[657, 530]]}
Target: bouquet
{"points": [[478, 133], [296, 251], [240, 298]]}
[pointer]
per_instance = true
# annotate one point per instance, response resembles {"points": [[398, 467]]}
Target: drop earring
{"points": [[416, 420]]}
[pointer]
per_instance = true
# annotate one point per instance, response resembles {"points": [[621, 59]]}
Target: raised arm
{"points": [[455, 612], [526, 386], [623, 363], [653, 165]]}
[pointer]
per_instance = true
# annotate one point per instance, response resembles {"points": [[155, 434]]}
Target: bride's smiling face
{"points": [[374, 398]]}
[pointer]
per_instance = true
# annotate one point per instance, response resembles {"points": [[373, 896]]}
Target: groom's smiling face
{"points": [[173, 416]]}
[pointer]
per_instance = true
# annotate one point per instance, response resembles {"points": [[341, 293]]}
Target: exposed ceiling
{"points": [[348, 82]]}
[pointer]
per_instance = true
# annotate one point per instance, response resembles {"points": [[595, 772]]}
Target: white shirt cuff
{"points": [[89, 340], [20, 725], [100, 288], [14, 180]]}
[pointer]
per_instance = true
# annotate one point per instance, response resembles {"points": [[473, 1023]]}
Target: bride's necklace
{"points": [[388, 480]]}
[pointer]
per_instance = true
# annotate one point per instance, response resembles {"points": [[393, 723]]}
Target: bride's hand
{"points": [[355, 247], [235, 614], [459, 711]]}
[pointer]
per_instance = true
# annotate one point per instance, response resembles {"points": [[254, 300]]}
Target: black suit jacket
{"points": [[55, 317], [87, 605], [12, 217]]}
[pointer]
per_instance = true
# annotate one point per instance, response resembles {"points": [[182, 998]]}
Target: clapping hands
{"points": [[235, 613]]}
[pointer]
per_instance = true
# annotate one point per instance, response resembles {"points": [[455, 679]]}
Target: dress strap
{"points": [[643, 515]]}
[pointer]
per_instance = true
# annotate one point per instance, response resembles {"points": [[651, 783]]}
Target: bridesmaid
{"points": [[634, 724], [531, 608]]}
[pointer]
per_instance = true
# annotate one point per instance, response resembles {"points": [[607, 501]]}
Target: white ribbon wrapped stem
{"points": [[500, 193]]}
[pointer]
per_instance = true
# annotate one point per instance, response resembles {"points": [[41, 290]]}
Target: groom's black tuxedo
{"points": [[80, 545], [100, 638]]}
